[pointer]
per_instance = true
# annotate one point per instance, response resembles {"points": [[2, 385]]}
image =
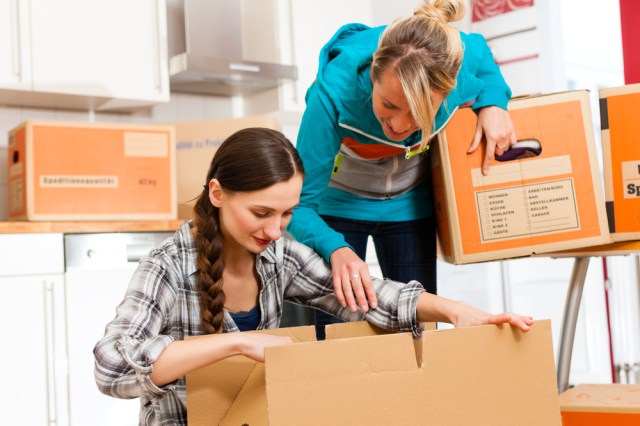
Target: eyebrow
{"points": [[271, 209], [389, 104]]}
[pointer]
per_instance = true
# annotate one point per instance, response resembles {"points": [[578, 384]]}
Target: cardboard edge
{"points": [[598, 185], [619, 90], [451, 206]]}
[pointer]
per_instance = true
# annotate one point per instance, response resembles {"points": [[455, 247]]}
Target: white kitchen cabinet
{"points": [[34, 336], [15, 67], [107, 54]]}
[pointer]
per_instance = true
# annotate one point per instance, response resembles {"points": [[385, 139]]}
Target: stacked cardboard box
{"points": [[489, 375], [621, 156], [91, 171], [546, 201], [197, 142], [601, 404]]}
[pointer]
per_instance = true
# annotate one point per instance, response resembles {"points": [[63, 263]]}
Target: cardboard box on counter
{"points": [[493, 375], [91, 171], [621, 157], [547, 201], [601, 404], [196, 143]]}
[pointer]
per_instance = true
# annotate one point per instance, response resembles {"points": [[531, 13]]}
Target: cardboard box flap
{"points": [[218, 385], [352, 329], [480, 358], [250, 406], [487, 374], [616, 398], [332, 382]]}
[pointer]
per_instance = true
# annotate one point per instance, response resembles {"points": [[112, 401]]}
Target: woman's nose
{"points": [[273, 230], [402, 123]]}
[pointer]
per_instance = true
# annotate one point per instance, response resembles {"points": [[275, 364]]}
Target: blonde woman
{"points": [[229, 270], [380, 96]]}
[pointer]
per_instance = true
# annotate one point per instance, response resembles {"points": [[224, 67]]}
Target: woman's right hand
{"points": [[351, 278], [254, 344]]}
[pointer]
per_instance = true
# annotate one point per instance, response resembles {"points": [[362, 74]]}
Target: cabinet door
{"points": [[33, 356], [105, 48], [92, 297], [15, 68]]}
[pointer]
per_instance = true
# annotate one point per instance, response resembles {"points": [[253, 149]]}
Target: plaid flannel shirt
{"points": [[161, 305]]}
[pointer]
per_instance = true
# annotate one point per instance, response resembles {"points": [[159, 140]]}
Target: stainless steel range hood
{"points": [[205, 48]]}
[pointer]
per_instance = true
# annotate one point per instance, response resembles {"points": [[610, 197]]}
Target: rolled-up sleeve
{"points": [[397, 303], [134, 339]]}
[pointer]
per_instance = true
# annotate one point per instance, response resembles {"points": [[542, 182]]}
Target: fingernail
{"points": [[364, 308], [485, 171], [353, 308], [374, 305]]}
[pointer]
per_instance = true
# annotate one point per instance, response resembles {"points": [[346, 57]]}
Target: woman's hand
{"points": [[433, 308], [255, 343], [496, 126], [351, 277], [467, 315]]}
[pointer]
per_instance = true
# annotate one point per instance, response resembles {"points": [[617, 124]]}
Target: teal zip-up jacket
{"points": [[352, 170]]}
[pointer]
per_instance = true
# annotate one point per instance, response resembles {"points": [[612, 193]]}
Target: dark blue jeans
{"points": [[406, 251]]}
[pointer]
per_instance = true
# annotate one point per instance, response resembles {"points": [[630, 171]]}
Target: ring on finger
{"points": [[354, 277]]}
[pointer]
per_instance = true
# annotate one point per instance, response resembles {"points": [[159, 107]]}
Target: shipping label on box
{"points": [[621, 156], [363, 375], [91, 171], [196, 143], [601, 404], [548, 199]]}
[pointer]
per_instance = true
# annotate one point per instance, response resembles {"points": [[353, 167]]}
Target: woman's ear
{"points": [[215, 193]]}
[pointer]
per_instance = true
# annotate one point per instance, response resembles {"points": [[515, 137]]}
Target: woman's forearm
{"points": [[184, 356], [432, 308]]}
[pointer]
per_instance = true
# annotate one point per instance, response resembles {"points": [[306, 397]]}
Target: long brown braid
{"points": [[249, 160]]}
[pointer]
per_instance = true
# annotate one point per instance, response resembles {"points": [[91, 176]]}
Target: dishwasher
{"points": [[98, 268]]}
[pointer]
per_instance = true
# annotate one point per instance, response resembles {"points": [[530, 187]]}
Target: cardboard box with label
{"points": [[550, 199], [601, 404], [196, 143], [489, 375], [621, 156], [91, 171]]}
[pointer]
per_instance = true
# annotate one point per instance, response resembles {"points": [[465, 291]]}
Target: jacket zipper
{"points": [[407, 149]]}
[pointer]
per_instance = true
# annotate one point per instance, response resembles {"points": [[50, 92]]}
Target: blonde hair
{"points": [[425, 53]]}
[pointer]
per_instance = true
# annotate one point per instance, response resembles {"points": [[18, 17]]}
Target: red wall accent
{"points": [[629, 18]]}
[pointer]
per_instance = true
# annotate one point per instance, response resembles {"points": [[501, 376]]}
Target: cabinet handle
{"points": [[49, 335], [158, 47], [17, 45]]}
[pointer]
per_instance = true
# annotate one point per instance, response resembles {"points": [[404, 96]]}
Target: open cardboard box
{"points": [[485, 375]]}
